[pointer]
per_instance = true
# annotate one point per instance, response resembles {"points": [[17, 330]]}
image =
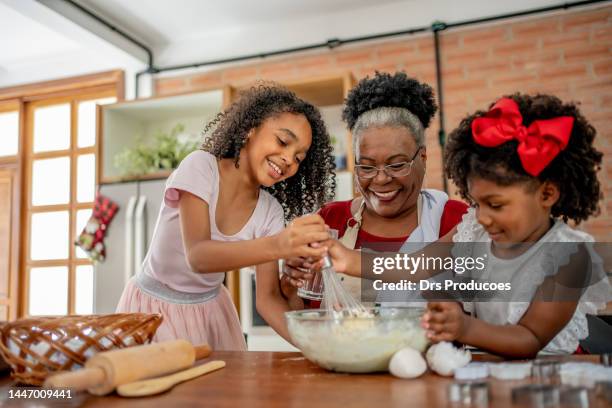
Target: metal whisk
{"points": [[336, 299]]}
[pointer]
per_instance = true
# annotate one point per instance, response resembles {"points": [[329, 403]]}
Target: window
{"points": [[61, 163]]}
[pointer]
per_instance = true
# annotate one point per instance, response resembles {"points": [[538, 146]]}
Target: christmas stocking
{"points": [[91, 239]]}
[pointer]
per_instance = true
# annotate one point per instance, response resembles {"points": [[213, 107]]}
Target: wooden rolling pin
{"points": [[107, 370]]}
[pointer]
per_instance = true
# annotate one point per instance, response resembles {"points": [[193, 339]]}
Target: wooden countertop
{"points": [[266, 379]]}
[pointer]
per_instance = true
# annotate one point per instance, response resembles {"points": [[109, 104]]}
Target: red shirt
{"points": [[337, 213]]}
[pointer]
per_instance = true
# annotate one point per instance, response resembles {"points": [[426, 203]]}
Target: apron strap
{"points": [[352, 231], [351, 283]]}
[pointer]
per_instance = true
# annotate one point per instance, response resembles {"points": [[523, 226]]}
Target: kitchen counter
{"points": [[266, 379]]}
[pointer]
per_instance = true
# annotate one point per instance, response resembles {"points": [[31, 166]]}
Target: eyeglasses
{"points": [[392, 170]]}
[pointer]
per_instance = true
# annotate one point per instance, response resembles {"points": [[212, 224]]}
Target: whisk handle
{"points": [[327, 262]]}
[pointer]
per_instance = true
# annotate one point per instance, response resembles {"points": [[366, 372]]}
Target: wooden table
{"points": [[265, 379]]}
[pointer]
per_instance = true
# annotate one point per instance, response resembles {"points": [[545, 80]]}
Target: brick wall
{"points": [[568, 54]]}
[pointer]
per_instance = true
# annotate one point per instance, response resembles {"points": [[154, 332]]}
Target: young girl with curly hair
{"points": [[527, 166], [266, 159]]}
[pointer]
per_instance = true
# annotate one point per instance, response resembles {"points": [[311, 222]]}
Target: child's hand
{"points": [[346, 260], [294, 241], [444, 321]]}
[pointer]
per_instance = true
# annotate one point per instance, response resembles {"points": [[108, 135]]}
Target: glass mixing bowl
{"points": [[339, 342]]}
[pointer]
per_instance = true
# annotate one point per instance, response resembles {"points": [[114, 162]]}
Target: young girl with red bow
{"points": [[526, 166]]}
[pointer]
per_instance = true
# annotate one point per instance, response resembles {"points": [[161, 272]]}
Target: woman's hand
{"points": [[289, 292], [445, 321], [294, 241], [297, 270]]}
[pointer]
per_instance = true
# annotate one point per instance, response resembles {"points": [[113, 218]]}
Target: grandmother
{"points": [[387, 116]]}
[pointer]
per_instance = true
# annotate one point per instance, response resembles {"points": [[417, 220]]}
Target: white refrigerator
{"points": [[127, 238]]}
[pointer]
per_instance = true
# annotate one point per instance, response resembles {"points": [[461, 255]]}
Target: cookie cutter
{"points": [[606, 359], [545, 371], [575, 397], [536, 396], [472, 393]]}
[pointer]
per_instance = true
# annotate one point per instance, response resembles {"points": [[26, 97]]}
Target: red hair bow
{"points": [[538, 144]]}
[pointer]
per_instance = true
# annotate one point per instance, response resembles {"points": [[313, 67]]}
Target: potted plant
{"points": [[165, 153]]}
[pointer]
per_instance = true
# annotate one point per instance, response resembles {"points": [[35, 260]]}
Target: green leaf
{"points": [[166, 152]]}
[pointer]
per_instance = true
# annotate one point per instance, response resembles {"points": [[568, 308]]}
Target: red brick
{"points": [[464, 56], [515, 79], [563, 73], [453, 72], [586, 20], [425, 44], [536, 28], [418, 67], [484, 37], [560, 89], [421, 59], [536, 61], [605, 101], [609, 208], [510, 48], [486, 68], [352, 58], [429, 77], [370, 69], [603, 35], [587, 53], [453, 103], [464, 85], [593, 85], [395, 51], [566, 39], [447, 41], [603, 117]]}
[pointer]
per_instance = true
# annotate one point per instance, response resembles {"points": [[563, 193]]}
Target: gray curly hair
{"points": [[389, 116]]}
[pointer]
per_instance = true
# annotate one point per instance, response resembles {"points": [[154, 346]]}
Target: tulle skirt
{"points": [[214, 322]]}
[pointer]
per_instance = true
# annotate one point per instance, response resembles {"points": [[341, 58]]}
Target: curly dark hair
{"points": [[573, 170], [314, 183], [386, 90]]}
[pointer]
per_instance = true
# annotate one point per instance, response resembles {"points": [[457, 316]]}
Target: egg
{"points": [[444, 358], [407, 363]]}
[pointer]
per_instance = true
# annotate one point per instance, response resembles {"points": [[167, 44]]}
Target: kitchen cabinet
{"points": [[124, 125]]}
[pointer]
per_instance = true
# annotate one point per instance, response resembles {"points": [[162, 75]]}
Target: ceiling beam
{"points": [[69, 21]]}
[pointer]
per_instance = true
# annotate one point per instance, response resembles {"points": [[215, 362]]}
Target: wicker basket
{"points": [[38, 346]]}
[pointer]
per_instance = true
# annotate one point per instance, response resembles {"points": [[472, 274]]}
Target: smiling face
{"points": [[276, 148], [513, 214], [378, 146]]}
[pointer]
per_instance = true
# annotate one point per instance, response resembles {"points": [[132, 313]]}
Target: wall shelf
{"points": [[123, 124]]}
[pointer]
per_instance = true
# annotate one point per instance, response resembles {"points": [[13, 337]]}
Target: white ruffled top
{"points": [[527, 272]]}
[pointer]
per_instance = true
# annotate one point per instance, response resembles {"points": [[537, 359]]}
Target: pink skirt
{"points": [[214, 322]]}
